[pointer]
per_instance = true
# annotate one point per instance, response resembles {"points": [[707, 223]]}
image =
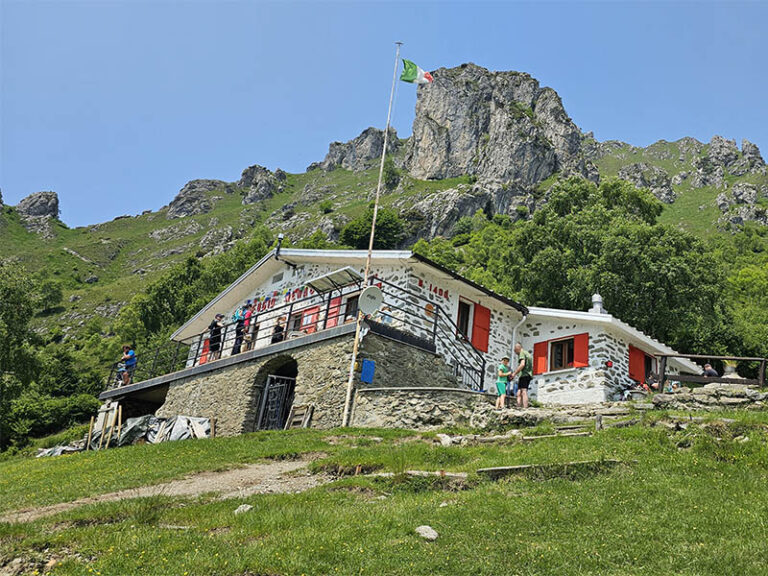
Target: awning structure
{"points": [[335, 280]]}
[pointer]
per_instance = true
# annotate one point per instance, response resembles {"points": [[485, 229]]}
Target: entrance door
{"points": [[276, 401]]}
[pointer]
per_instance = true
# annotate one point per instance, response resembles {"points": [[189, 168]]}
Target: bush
{"points": [[326, 206]]}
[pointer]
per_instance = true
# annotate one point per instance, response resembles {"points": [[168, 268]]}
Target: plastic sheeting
{"points": [[143, 429]]}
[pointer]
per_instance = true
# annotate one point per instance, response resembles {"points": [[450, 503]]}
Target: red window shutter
{"points": [[581, 350], [540, 357], [636, 364], [481, 328], [333, 313], [309, 319]]}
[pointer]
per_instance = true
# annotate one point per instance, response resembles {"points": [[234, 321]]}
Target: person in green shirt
{"points": [[525, 369], [502, 377]]}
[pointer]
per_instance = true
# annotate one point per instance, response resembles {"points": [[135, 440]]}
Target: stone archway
{"points": [[273, 391]]}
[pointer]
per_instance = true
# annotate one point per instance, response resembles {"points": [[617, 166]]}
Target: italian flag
{"points": [[414, 74]]}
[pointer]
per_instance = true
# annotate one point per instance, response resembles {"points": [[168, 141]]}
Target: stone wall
{"points": [[714, 396], [232, 394], [416, 408]]}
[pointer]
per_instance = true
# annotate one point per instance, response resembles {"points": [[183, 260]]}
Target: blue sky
{"points": [[115, 104]]}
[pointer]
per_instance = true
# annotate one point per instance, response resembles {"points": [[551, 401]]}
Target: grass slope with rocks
{"points": [[688, 499]]}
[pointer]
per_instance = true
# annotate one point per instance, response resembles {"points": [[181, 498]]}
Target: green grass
{"points": [[687, 502]]}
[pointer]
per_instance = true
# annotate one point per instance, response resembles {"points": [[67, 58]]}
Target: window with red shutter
{"points": [[481, 328], [540, 357], [581, 350], [334, 310]]}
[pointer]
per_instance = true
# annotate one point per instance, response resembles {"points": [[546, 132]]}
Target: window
{"points": [[351, 309], [572, 352], [463, 320], [561, 354], [294, 324]]}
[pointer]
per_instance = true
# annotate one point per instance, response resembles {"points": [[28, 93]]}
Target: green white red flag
{"points": [[414, 74]]}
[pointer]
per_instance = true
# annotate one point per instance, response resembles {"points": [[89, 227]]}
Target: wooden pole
{"points": [[662, 372], [346, 415], [213, 426], [103, 430], [111, 427], [90, 434], [119, 422], [761, 374]]}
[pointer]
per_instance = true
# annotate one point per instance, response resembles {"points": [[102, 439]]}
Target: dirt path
{"points": [[277, 477]]}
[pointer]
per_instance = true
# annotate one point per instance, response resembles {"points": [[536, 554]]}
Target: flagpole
{"points": [[351, 380]]}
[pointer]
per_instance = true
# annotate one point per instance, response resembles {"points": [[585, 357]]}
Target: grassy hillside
{"points": [[685, 501]]}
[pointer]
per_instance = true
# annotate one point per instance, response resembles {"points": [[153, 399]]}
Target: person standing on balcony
{"points": [[129, 360], [214, 337], [525, 369], [502, 377]]}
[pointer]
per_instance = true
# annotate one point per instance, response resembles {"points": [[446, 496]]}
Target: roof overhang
{"points": [[335, 280]]}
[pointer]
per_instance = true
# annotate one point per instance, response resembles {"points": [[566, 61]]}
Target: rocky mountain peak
{"points": [[501, 127], [37, 210], [260, 183], [193, 198], [1, 198], [358, 153]]}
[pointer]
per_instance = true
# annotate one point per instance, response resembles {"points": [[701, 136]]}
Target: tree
{"points": [[391, 174], [389, 230], [603, 238]]}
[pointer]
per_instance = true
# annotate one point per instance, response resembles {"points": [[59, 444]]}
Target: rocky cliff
{"points": [[37, 210], [360, 152], [501, 127]]}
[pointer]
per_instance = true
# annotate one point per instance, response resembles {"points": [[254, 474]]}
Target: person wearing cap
{"points": [[214, 337], [710, 372]]}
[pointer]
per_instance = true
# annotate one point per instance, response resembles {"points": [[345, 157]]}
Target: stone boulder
{"points": [[740, 204], [217, 241], [360, 152], [36, 212], [500, 126], [193, 198], [39, 205], [722, 151], [442, 210], [260, 183], [644, 175], [751, 162]]}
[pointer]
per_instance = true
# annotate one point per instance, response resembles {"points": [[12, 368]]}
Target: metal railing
{"points": [[663, 375], [403, 311]]}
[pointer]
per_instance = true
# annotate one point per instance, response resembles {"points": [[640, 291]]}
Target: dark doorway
{"points": [[276, 397]]}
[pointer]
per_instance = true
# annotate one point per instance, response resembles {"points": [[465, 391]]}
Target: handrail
{"points": [[467, 362]]}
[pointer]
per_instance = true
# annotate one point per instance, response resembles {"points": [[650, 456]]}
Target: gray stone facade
{"points": [[232, 394]]}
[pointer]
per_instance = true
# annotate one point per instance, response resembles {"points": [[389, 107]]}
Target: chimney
{"points": [[597, 304]]}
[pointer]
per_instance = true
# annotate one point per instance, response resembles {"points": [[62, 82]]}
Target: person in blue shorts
{"points": [[502, 378]]}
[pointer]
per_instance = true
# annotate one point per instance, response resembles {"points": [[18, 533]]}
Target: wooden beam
{"points": [[90, 434], [707, 357], [712, 379]]}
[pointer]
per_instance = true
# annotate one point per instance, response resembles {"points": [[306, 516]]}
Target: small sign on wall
{"points": [[366, 374]]}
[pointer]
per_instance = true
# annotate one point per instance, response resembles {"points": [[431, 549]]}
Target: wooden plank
{"points": [[90, 434], [119, 422], [563, 435], [111, 427], [503, 471], [103, 430]]}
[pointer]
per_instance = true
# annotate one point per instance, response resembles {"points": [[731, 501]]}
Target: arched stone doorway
{"points": [[274, 388]]}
